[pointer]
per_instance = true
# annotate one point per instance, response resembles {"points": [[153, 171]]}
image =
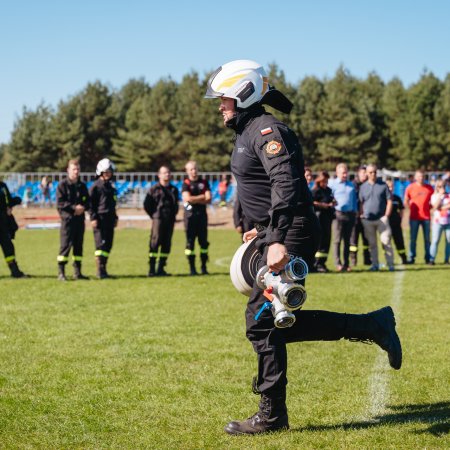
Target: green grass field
{"points": [[164, 363]]}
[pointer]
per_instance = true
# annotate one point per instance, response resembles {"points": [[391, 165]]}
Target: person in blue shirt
{"points": [[346, 207]]}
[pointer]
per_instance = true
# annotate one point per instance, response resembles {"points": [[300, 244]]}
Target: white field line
{"points": [[379, 378], [223, 262]]}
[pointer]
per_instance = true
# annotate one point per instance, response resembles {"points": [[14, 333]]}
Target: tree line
{"points": [[141, 126]]}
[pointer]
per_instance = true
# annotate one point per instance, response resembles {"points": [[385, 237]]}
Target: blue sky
{"points": [[50, 50]]}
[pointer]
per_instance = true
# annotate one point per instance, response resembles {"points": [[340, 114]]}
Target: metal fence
{"points": [[133, 186]]}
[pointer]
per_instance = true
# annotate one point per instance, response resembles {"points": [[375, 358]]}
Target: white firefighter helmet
{"points": [[104, 165], [244, 80]]}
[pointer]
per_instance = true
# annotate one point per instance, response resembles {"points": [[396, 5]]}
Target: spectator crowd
{"points": [[354, 214], [366, 208]]}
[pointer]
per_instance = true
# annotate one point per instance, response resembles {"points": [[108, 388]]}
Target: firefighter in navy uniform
{"points": [[267, 163], [103, 196], [395, 222], [72, 200], [196, 194], [324, 203], [8, 227], [358, 229], [161, 204]]}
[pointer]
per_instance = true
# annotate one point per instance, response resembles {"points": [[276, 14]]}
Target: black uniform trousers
{"points": [[5, 239], [196, 226], [104, 235], [270, 342], [358, 230], [161, 236], [342, 230], [396, 226], [325, 220], [71, 236]]}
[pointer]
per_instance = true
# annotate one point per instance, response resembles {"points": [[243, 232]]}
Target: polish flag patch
{"points": [[266, 131]]}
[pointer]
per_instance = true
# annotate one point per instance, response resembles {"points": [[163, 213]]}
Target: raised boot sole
{"points": [[389, 342]]}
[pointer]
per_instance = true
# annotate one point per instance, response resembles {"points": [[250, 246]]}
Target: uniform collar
{"points": [[243, 116]]}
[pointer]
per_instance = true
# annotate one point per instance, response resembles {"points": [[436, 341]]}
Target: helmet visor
{"points": [[210, 92]]}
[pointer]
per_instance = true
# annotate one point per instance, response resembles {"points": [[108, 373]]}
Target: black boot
{"points": [[77, 275], [367, 259], [152, 265], [271, 416], [320, 265], [204, 260], [404, 259], [161, 264], [353, 258], [101, 267], [62, 272], [379, 327], [15, 271], [193, 270]]}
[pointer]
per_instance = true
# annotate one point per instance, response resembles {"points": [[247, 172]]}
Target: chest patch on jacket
{"points": [[273, 148], [265, 131]]}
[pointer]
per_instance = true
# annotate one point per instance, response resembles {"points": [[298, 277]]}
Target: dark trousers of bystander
{"points": [[342, 230]]}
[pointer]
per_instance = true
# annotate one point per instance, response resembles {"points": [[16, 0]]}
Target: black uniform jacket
{"points": [[197, 187], [103, 200], [7, 221], [5, 198], [161, 202], [397, 207], [323, 195], [267, 162], [68, 195]]}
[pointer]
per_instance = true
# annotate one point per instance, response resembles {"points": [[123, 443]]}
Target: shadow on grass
{"points": [[436, 415], [169, 277], [397, 269]]}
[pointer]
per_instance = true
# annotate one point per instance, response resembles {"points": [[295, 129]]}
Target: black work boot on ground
{"points": [[272, 416], [379, 327], [152, 266], [367, 258], [320, 265], [161, 264], [353, 259], [77, 275], [193, 270], [101, 267], [62, 272], [15, 271], [204, 260]]}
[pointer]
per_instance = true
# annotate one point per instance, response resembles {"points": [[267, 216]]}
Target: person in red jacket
{"points": [[418, 198]]}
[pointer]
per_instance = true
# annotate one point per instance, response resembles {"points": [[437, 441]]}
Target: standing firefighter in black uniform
{"points": [[395, 222], [267, 163], [161, 204], [324, 203], [196, 195], [358, 229], [72, 200], [8, 228], [103, 214]]}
